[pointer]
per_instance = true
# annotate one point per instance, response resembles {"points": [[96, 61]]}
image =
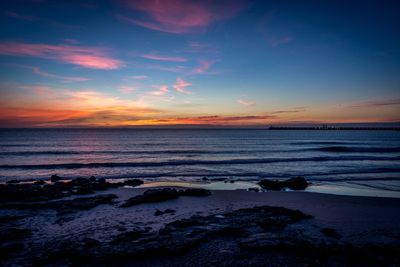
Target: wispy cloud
{"points": [[164, 58], [32, 18], [140, 77], [127, 89], [162, 90], [84, 56], [38, 71], [180, 86], [19, 16], [246, 103], [203, 67], [217, 120], [376, 103], [293, 110], [181, 16]]}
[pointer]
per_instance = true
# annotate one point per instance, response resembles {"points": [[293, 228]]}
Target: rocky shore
{"points": [[94, 222]]}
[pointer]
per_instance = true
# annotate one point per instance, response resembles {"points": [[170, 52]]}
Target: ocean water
{"points": [[351, 159]]}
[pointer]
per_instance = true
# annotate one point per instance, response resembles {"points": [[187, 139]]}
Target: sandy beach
{"points": [[331, 220]]}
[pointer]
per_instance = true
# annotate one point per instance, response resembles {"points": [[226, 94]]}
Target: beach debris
{"points": [[295, 183]]}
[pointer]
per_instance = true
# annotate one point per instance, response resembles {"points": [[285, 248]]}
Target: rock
{"points": [[55, 178], [196, 192], [13, 182], [133, 182], [295, 183], [84, 191], [204, 179], [152, 195], [80, 181], [330, 232], [65, 206], [13, 233], [39, 182], [169, 211], [254, 189], [158, 212], [92, 179]]}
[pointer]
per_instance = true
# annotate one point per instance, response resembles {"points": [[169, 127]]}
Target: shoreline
{"points": [[108, 228], [334, 188]]}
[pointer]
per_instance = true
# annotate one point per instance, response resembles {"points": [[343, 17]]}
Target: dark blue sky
{"points": [[133, 62]]}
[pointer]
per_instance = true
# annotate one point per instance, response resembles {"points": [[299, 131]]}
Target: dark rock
{"points": [[10, 219], [13, 182], [158, 212], [196, 192], [92, 179], [80, 181], [169, 211], [65, 206], [13, 233], [152, 195], [9, 248], [101, 180], [330, 232], [55, 178], [131, 235], [84, 191], [295, 183], [39, 182], [133, 182], [254, 189]]}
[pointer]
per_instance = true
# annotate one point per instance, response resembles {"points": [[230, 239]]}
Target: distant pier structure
{"points": [[334, 128]]}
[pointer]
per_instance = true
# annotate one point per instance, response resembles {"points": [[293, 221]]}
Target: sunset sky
{"points": [[149, 62]]}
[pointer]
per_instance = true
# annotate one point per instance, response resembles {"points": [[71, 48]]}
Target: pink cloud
{"points": [[164, 58], [84, 56], [126, 89], [181, 85], [246, 103], [161, 91], [181, 16], [204, 65]]}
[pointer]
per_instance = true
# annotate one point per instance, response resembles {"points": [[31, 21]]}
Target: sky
{"points": [[175, 62]]}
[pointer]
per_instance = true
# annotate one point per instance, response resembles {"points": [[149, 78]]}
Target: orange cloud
{"points": [[87, 57]]}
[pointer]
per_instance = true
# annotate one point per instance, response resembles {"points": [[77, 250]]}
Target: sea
{"points": [[354, 162]]}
